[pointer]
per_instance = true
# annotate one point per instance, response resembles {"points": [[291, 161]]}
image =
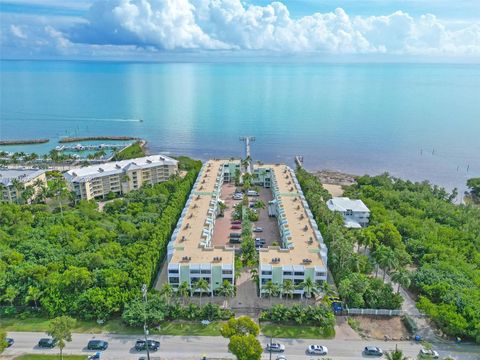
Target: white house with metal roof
{"points": [[355, 213]]}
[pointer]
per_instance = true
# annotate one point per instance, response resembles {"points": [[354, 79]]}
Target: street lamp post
{"points": [[270, 347], [145, 330]]}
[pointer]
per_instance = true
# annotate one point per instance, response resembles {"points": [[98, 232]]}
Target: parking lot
{"points": [[223, 224], [269, 224]]}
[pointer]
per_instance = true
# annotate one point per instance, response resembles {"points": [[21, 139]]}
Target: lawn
{"points": [[34, 324], [189, 328], [114, 326], [50, 357], [295, 331]]}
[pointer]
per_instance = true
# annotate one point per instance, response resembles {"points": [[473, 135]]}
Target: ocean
{"points": [[416, 121]]}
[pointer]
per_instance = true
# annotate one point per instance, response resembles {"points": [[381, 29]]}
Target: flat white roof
{"points": [[118, 167], [23, 175], [344, 203]]}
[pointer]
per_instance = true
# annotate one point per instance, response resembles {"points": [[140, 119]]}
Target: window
{"points": [[298, 273], [205, 271], [349, 212], [227, 272], [194, 271], [266, 273], [173, 271], [173, 280], [287, 273]]}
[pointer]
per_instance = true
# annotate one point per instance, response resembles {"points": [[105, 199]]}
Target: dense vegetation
{"points": [[82, 262], [131, 152], [160, 308], [320, 316], [351, 270], [441, 238]]}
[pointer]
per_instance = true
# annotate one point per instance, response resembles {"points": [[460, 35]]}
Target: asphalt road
{"points": [[193, 347]]}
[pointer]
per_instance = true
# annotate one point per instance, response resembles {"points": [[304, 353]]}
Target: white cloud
{"points": [[228, 24], [170, 26], [18, 32]]}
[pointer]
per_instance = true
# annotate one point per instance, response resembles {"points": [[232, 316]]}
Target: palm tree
{"points": [[202, 285], [309, 287], [327, 290], [226, 290], [19, 186], [395, 355], [271, 289], [33, 294], [183, 291], [288, 288], [385, 258], [167, 292], [402, 278]]}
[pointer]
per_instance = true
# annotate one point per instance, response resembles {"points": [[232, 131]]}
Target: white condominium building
{"points": [[14, 181], [120, 177]]}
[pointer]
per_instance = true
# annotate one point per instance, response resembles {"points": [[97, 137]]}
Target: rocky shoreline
{"points": [[24, 142]]}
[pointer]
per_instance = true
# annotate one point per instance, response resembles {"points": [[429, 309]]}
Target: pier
{"points": [[24, 142], [299, 161], [91, 138]]}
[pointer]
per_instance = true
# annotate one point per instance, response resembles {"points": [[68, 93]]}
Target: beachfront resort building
{"points": [[13, 183], [120, 177], [355, 213], [191, 255], [300, 253]]}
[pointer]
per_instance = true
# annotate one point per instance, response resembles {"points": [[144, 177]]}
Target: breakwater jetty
{"points": [[90, 138], [24, 142]]}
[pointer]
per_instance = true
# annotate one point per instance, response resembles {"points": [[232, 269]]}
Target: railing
{"points": [[378, 312]]}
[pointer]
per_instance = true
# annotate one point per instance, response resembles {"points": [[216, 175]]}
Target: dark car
{"points": [[236, 226], [235, 235], [47, 343], [141, 345], [236, 222], [97, 345], [9, 341], [373, 351], [235, 240]]}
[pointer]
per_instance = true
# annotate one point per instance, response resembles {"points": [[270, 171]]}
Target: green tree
{"points": [[202, 286], [33, 294], [60, 329], [167, 292], [474, 185], [309, 287], [245, 347], [271, 289], [288, 288], [3, 341], [226, 289], [242, 325], [402, 278], [183, 291]]}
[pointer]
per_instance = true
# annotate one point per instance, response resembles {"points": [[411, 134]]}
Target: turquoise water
{"points": [[415, 121]]}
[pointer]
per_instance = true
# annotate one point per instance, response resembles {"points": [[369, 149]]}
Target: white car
{"points": [[317, 350], [281, 357], [429, 354], [275, 347]]}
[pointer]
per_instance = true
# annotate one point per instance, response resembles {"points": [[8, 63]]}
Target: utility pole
{"points": [[145, 330], [270, 347]]}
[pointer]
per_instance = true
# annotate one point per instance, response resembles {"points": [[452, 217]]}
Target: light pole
{"points": [[145, 330], [270, 347]]}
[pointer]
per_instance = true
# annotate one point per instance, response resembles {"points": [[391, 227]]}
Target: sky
{"points": [[224, 29]]}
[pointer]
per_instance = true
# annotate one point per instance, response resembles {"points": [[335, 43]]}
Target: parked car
{"points": [[281, 357], [97, 345], [235, 240], [252, 193], [258, 229], [236, 222], [141, 345], [317, 350], [373, 351], [95, 356], [47, 343], [428, 354], [275, 347], [236, 226], [9, 341], [235, 235], [260, 240]]}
